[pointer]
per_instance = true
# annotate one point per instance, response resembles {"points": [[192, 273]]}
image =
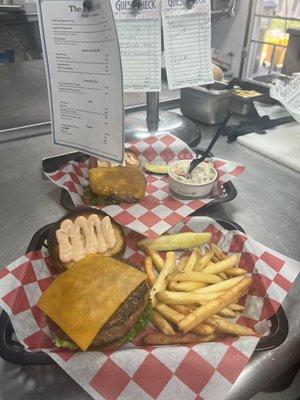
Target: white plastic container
{"points": [[187, 191]]}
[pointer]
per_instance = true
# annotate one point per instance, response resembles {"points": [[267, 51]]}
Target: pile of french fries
{"points": [[193, 296]]}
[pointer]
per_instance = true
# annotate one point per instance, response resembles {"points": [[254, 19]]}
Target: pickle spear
{"points": [[179, 241], [157, 168]]}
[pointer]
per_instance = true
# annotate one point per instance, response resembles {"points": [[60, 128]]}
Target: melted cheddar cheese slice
{"points": [[82, 299]]}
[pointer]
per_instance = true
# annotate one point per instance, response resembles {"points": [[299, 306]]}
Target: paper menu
{"points": [[139, 34], [84, 77], [288, 95], [187, 43], [273, 111]]}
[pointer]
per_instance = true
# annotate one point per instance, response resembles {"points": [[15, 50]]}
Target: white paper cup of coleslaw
{"points": [[183, 190]]}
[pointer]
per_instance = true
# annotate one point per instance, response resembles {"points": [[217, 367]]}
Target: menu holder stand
{"points": [[156, 122], [139, 125]]}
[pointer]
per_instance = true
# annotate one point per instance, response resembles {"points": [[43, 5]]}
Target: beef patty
{"points": [[93, 199], [119, 323]]}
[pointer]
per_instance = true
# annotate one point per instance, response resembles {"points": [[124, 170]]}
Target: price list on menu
{"points": [[139, 34], [187, 42], [83, 69]]}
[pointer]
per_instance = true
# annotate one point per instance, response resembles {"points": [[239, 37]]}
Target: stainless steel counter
{"points": [[267, 206]]}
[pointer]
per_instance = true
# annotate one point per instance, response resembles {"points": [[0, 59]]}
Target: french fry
{"points": [[172, 315], [185, 310], [236, 307], [222, 325], [169, 313], [218, 252], [204, 260], [215, 259], [182, 262], [221, 265], [184, 286], [245, 292], [184, 298], [213, 306], [220, 286], [235, 271], [221, 274], [161, 283], [179, 241], [161, 324], [156, 339], [226, 312], [171, 285], [156, 258], [201, 329], [194, 276], [193, 260], [148, 266], [191, 306]]}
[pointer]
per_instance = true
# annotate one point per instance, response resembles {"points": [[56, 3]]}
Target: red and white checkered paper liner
{"points": [[158, 211], [204, 371]]}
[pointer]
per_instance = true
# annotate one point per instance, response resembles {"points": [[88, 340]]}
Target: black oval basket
{"points": [[54, 163], [12, 351]]}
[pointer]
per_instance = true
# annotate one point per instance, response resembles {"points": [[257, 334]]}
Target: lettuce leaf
{"points": [[140, 325], [64, 344], [95, 200]]}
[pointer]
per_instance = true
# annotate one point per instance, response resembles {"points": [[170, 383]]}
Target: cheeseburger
{"points": [[99, 303]]}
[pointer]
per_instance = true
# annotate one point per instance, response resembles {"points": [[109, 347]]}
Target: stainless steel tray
{"points": [[206, 104], [244, 106]]}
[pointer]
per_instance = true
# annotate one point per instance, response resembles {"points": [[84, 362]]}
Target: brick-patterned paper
{"points": [[204, 371], [158, 211]]}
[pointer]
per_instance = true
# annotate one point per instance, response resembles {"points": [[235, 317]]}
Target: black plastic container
{"points": [[54, 163], [12, 351]]}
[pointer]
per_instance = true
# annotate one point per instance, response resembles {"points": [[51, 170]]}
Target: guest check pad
{"points": [[187, 42], [139, 33], [84, 76]]}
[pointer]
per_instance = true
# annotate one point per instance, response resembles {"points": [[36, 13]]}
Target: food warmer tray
{"points": [[12, 351], [207, 104], [244, 105], [54, 163]]}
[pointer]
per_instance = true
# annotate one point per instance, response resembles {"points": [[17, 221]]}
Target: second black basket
{"points": [[54, 163]]}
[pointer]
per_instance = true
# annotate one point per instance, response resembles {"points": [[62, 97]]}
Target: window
{"points": [[268, 40]]}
